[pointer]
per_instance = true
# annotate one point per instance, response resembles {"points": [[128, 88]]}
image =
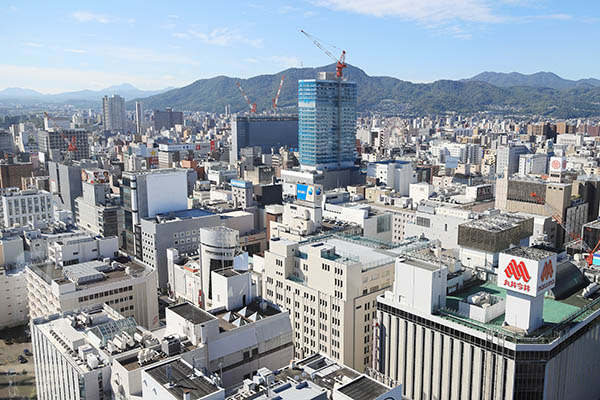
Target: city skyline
{"points": [[70, 47]]}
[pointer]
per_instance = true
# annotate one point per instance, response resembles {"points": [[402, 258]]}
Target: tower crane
{"points": [[340, 63], [250, 104], [276, 99]]}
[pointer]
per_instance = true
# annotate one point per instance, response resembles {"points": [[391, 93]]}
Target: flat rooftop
{"points": [[363, 388], [179, 378], [530, 253], [495, 223], [192, 313], [574, 308], [179, 215]]}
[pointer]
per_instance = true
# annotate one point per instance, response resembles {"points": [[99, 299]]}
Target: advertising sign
{"points": [[558, 164], [301, 191], [522, 275]]}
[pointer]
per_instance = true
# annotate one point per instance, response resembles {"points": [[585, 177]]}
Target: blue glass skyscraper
{"points": [[326, 123]]}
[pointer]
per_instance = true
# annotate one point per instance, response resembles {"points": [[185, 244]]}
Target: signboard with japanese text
{"points": [[525, 276]]}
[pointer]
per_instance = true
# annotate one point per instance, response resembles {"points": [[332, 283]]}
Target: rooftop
{"points": [[179, 215], [255, 311], [363, 388], [530, 253], [178, 378], [192, 313], [496, 223]]}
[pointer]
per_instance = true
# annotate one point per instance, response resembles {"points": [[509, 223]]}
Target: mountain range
{"points": [[387, 95], [126, 90], [542, 93], [539, 79]]}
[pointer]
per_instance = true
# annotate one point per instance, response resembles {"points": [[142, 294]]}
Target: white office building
{"points": [[20, 207]]}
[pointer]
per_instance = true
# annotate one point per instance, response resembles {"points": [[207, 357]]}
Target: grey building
{"points": [[6, 142], [265, 131], [65, 183], [139, 117], [114, 117], [438, 223], [179, 230], [55, 143], [167, 119], [508, 157], [97, 211]]}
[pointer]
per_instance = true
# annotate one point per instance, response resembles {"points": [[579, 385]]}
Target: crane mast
{"points": [[276, 99], [251, 105]]}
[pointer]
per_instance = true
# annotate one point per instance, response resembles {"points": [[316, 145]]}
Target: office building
{"points": [[438, 223], [326, 123], [167, 119], [114, 117], [179, 230], [13, 173], [139, 117], [80, 247], [54, 143], [125, 285], [490, 341], [533, 164], [146, 194], [267, 132], [507, 157], [394, 174], [21, 207], [97, 210], [66, 183], [330, 285]]}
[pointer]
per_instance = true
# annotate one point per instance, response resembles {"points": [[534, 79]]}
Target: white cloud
{"points": [[33, 44], [142, 55], [426, 12], [12, 8], [219, 37], [89, 16], [286, 61], [172, 16], [76, 51], [250, 60]]}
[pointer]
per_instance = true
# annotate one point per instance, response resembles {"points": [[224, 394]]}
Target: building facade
{"points": [[114, 117]]}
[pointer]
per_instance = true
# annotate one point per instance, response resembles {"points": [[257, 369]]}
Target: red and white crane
{"points": [[340, 63], [71, 144], [276, 99], [251, 105]]}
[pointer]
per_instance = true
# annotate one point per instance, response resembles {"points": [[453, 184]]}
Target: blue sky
{"points": [[72, 45]]}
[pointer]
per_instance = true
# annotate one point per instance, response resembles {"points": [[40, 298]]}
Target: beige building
{"points": [[330, 287], [126, 286]]}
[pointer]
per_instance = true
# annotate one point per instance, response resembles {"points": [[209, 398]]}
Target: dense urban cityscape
{"points": [[317, 233]]}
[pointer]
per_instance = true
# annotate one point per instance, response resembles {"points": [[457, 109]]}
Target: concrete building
{"points": [[167, 119], [98, 211], [266, 132], [395, 174], [533, 164], [179, 230], [12, 174], [326, 122], [146, 194], [66, 182], [21, 207], [479, 342], [114, 117], [74, 249], [13, 283], [508, 157], [315, 377], [54, 143], [139, 117], [127, 286], [330, 286], [438, 223]]}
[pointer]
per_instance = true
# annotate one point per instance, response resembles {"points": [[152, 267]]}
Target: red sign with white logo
{"points": [[526, 276]]}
